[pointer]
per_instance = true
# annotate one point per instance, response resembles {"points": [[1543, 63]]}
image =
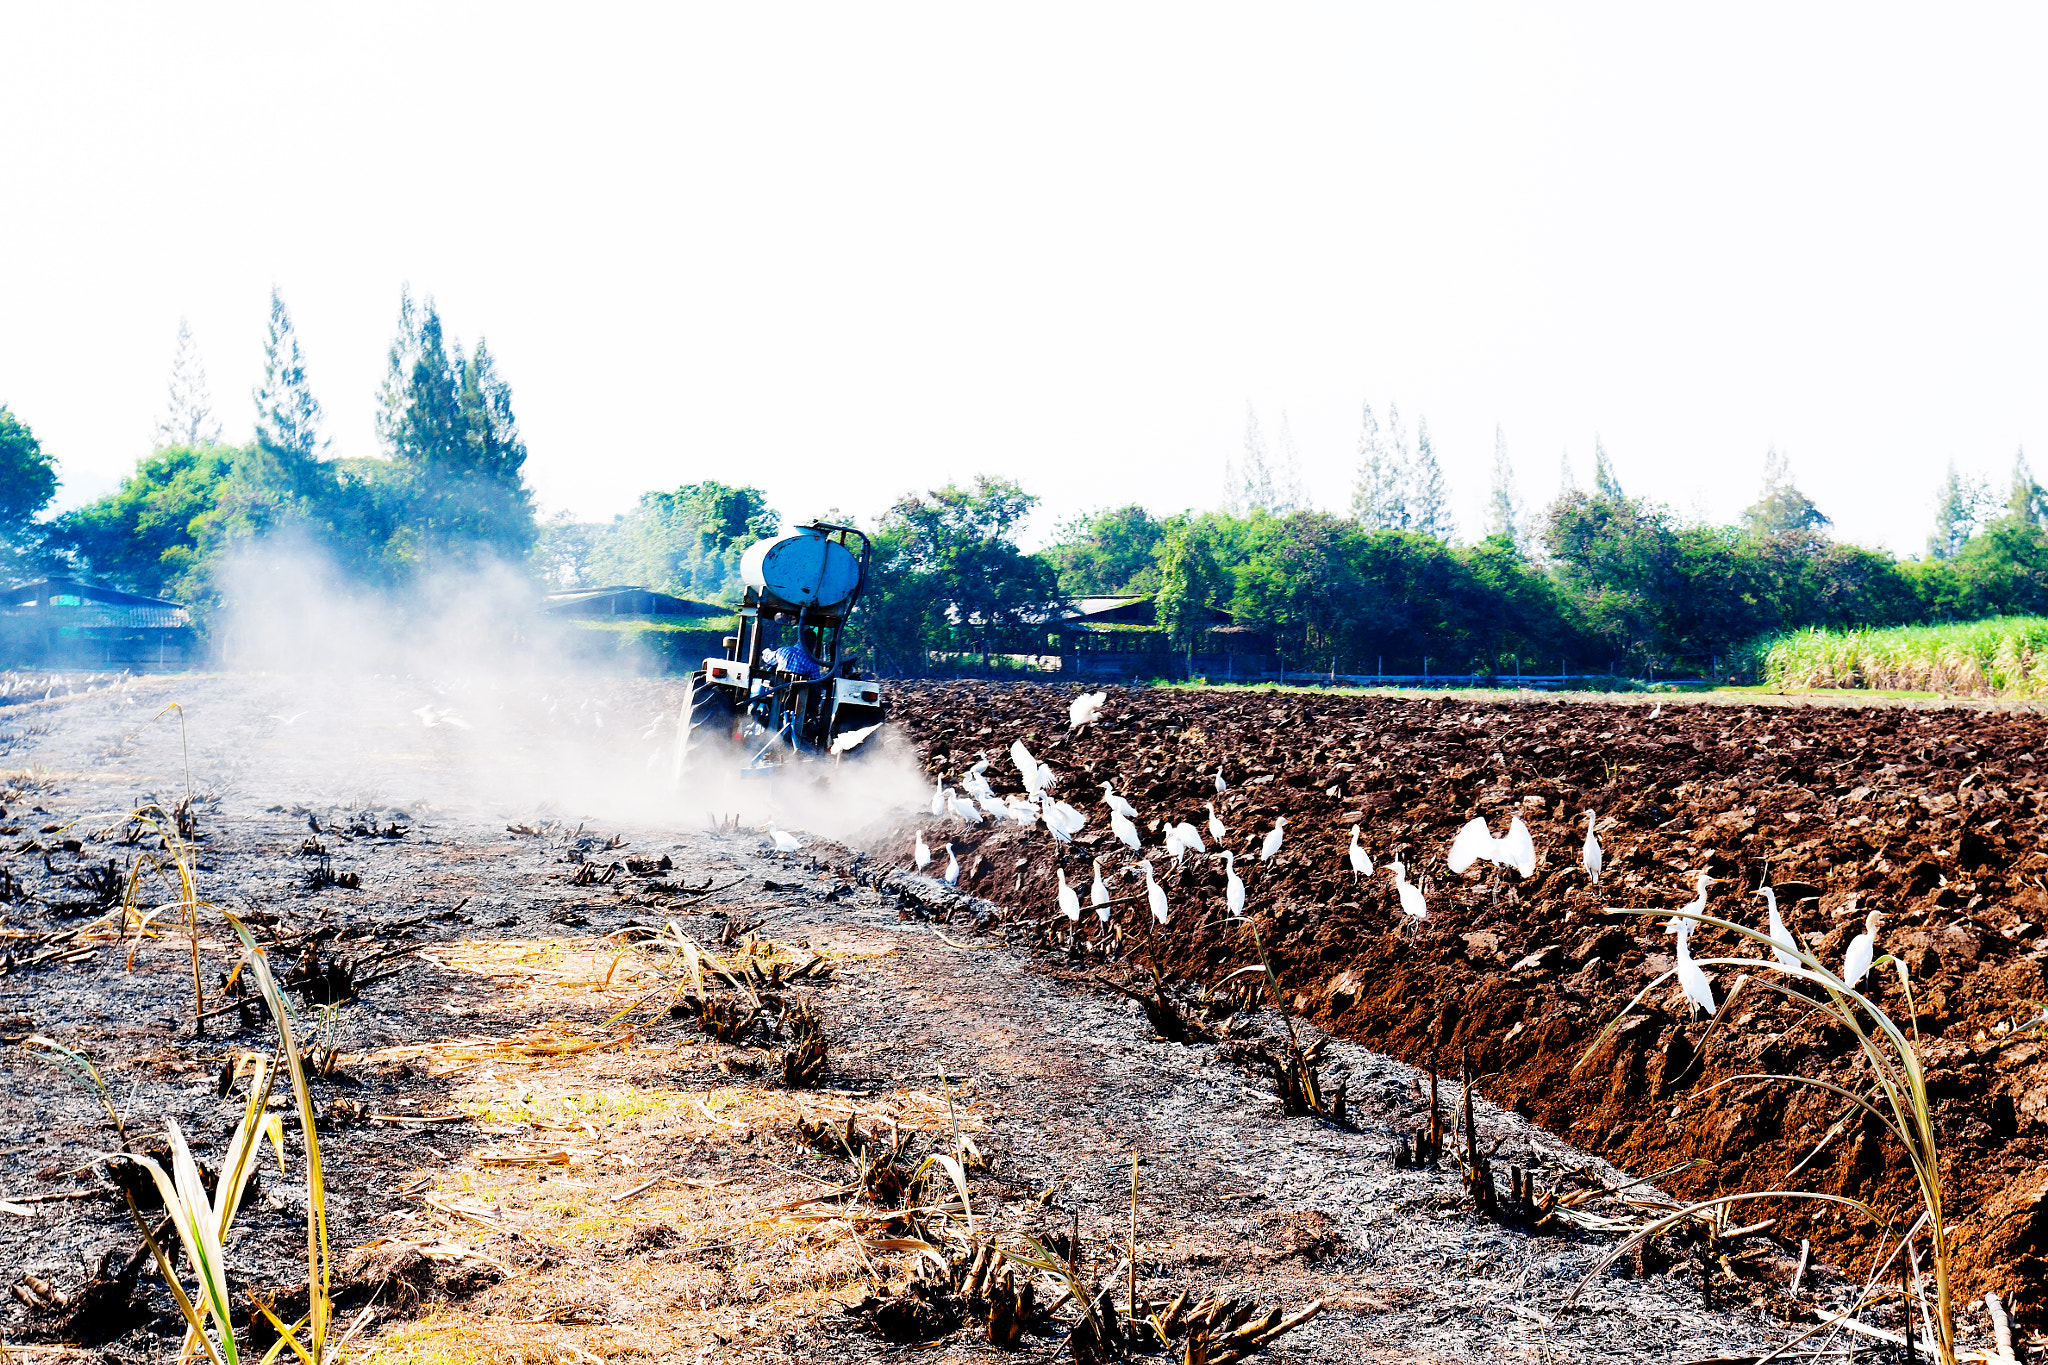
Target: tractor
{"points": [[783, 690]]}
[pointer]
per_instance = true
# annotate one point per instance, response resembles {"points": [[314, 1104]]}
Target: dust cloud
{"points": [[456, 694]]}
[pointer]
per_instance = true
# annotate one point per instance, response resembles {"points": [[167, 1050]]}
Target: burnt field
{"points": [[1932, 817], [598, 1075]]}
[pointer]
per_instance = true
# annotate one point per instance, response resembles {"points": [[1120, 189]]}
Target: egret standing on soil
{"points": [[1782, 946], [1221, 785], [1271, 844], [785, 842], [1696, 906], [1098, 894], [952, 877], [1591, 853], [1117, 803], [1862, 951], [1233, 885], [922, 854], [1216, 830], [1690, 978], [1070, 903], [1155, 894], [1361, 861], [1411, 894], [1121, 826]]}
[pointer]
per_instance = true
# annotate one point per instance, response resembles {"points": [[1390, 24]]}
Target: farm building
{"points": [[1120, 637], [63, 623], [635, 628]]}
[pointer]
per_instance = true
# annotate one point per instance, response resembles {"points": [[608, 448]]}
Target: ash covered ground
{"points": [[536, 1150]]}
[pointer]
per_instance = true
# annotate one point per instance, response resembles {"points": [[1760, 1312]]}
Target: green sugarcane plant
{"points": [[1896, 1096]]}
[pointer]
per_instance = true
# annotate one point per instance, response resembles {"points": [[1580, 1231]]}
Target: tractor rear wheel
{"points": [[707, 728]]}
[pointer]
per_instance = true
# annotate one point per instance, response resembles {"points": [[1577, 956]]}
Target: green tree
{"points": [[1429, 501], [451, 433], [1503, 502], [686, 542], [1606, 484], [1958, 506], [1781, 507], [948, 573], [1378, 496], [28, 480], [287, 413], [145, 536], [1108, 552], [1189, 581]]}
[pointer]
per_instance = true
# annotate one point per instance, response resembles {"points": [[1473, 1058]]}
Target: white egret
{"points": [[1120, 825], [1098, 894], [1070, 904], [1155, 894], [1690, 978], [952, 877], [1024, 813], [1216, 830], [785, 842], [1656, 711], [941, 793], [1027, 766], [1514, 849], [1361, 861], [1782, 946], [994, 805], [1233, 885], [922, 854], [1190, 837], [1411, 894], [1221, 785], [1064, 820], [1862, 950], [1271, 843], [976, 786], [1085, 709], [1118, 804], [963, 810], [980, 767], [1591, 854], [1696, 906]]}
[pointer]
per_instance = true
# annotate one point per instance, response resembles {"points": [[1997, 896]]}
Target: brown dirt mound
{"points": [[1932, 816]]}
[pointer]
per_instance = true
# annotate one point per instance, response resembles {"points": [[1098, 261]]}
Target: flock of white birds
{"points": [[975, 802]]}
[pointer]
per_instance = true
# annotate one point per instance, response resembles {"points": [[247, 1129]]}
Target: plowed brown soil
{"points": [[1933, 816]]}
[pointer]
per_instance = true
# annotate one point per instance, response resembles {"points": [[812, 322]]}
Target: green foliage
{"points": [[947, 573], [145, 536], [28, 478], [1781, 507], [1109, 552], [687, 542]]}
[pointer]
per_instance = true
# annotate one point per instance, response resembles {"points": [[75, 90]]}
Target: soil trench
{"points": [[1931, 816]]}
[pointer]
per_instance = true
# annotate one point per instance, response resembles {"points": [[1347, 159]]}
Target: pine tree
{"points": [[188, 418], [1255, 479], [1605, 484], [2027, 501], [1288, 493], [287, 414], [1782, 507], [1400, 474], [1957, 507], [1376, 501], [1503, 503], [1567, 481], [395, 392], [1429, 503]]}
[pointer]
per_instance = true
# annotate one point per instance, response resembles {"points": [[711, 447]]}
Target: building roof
{"points": [[73, 603], [1125, 610], [629, 599]]}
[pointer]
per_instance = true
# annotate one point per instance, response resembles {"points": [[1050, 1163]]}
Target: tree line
{"points": [[1599, 578]]}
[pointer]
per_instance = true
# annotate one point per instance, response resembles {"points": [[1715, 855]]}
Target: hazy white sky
{"points": [[846, 251]]}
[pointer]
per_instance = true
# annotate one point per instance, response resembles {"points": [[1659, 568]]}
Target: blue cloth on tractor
{"points": [[794, 659]]}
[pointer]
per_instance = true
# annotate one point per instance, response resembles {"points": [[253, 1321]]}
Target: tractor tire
{"points": [[706, 732]]}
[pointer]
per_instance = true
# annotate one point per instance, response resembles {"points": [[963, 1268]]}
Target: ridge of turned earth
{"points": [[1932, 816]]}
